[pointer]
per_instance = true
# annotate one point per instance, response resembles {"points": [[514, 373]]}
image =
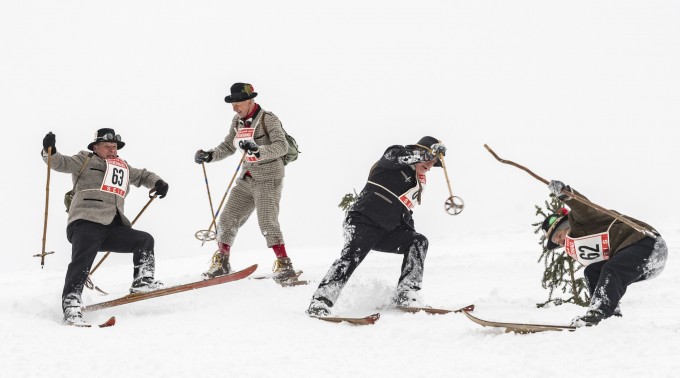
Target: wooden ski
{"points": [[520, 327], [435, 311], [136, 297], [366, 320]]}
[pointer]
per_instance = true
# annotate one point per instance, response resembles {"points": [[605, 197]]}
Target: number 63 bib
{"points": [[589, 249], [116, 179]]}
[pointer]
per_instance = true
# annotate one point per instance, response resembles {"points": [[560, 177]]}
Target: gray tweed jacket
{"points": [[272, 142], [89, 202]]}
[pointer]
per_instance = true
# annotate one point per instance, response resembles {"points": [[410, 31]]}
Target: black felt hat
{"points": [[551, 224], [241, 92], [426, 143], [106, 135]]}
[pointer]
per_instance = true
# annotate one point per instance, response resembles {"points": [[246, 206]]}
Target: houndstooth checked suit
{"points": [[260, 183]]}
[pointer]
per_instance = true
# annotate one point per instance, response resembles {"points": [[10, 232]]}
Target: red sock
{"points": [[224, 248], [280, 251]]}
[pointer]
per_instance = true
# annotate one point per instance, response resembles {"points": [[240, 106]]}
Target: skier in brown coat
{"points": [[614, 254]]}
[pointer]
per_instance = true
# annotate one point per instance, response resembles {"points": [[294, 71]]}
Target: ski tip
{"points": [[373, 318], [469, 308], [109, 323]]}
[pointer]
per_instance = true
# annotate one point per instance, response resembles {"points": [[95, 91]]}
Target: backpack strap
{"points": [[264, 124], [87, 160]]}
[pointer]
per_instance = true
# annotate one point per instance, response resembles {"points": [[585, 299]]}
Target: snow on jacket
{"points": [[90, 203], [272, 146], [584, 220], [396, 172]]}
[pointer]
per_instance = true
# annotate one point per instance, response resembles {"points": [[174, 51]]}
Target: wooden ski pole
{"points": [[454, 205], [207, 187], [89, 282], [47, 205], [204, 235], [577, 197]]}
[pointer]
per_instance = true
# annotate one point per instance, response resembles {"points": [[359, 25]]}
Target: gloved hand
{"points": [[438, 149], [556, 188], [50, 140], [250, 146], [161, 188], [203, 156], [427, 155]]}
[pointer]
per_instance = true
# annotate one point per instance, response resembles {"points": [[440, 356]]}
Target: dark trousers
{"points": [[87, 238], [361, 236], [608, 280]]}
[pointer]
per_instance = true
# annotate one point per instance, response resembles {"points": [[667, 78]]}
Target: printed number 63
{"points": [[117, 177]]}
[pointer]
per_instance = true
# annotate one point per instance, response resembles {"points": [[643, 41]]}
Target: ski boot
{"points": [[591, 318], [283, 271], [406, 298], [318, 307], [219, 265], [145, 285]]}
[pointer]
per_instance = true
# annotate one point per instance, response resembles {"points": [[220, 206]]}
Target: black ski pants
{"points": [[87, 238], [361, 236], [608, 279]]}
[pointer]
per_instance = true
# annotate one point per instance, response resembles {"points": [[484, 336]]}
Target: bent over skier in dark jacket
{"points": [[381, 220]]}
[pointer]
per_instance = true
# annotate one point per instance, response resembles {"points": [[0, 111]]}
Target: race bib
{"points": [[588, 249], [410, 198], [246, 133], [116, 178]]}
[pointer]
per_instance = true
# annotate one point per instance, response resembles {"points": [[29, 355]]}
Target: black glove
{"points": [[250, 146], [203, 156], [50, 140], [556, 188], [161, 188], [438, 149]]}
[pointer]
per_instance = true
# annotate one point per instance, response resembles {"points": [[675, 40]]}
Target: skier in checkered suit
{"points": [[257, 136]]}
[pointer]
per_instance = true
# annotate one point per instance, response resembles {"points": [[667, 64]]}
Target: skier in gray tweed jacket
{"points": [[259, 135], [96, 218]]}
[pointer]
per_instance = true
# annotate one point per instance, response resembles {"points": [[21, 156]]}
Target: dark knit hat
{"points": [[106, 135], [552, 224], [241, 92], [426, 143]]}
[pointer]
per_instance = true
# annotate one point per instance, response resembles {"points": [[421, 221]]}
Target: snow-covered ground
{"points": [[584, 91], [254, 328]]}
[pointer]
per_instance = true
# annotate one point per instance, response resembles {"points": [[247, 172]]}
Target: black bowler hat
{"points": [[553, 223], [426, 143], [241, 92], [106, 135]]}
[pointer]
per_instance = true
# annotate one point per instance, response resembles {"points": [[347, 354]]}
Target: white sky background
{"points": [[582, 91]]}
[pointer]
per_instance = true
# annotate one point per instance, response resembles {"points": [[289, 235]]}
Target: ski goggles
{"points": [[109, 137]]}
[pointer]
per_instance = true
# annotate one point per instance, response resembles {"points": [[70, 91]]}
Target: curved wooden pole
{"points": [[577, 197]]}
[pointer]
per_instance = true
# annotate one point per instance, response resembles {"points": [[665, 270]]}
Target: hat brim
{"points": [[239, 97], [550, 245], [119, 144]]}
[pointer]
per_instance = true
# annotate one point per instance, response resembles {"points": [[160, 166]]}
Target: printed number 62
{"points": [[591, 255]]}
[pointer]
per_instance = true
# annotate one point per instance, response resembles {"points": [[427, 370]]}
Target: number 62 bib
{"points": [[589, 249], [116, 179]]}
